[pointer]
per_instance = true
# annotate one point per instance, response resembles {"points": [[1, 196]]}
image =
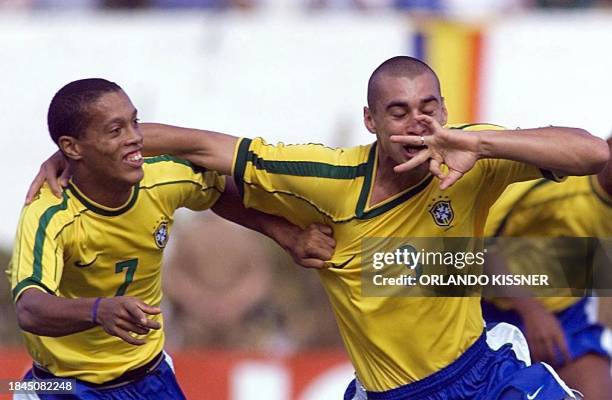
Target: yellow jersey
{"points": [[577, 207], [75, 248], [391, 341]]}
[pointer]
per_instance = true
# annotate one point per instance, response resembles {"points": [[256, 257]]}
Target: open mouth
{"points": [[412, 150], [133, 159]]}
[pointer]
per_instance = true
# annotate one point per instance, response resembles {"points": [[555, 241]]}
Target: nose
{"points": [[134, 135], [414, 127]]}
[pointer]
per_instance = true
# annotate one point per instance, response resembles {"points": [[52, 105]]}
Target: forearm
{"points": [[230, 207], [525, 305], [208, 149], [47, 315], [569, 151]]}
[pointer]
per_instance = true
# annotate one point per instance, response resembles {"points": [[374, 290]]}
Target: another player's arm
{"points": [[309, 247], [543, 332], [565, 151], [208, 149], [44, 314]]}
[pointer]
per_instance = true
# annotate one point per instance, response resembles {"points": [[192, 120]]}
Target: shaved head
{"points": [[400, 66]]}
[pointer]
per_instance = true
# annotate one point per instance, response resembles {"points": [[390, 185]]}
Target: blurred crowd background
{"points": [[433, 6]]}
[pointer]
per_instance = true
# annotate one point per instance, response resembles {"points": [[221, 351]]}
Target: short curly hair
{"points": [[69, 111]]}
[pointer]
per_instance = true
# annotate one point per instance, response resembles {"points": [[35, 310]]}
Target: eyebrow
{"points": [[119, 120], [429, 99], [404, 104]]}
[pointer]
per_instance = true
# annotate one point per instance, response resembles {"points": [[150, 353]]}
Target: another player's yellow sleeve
{"points": [[509, 203], [499, 174], [37, 259]]}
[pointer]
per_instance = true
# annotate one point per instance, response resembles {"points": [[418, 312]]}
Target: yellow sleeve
{"points": [[499, 174], [37, 259], [300, 182], [181, 183], [511, 204], [206, 193]]}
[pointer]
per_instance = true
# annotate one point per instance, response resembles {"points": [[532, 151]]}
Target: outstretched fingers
{"points": [[414, 162], [450, 179], [435, 168]]}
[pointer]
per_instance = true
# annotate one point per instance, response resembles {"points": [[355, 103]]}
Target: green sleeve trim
{"points": [[465, 126], [29, 282], [240, 164], [41, 233], [307, 168], [168, 158], [367, 183]]}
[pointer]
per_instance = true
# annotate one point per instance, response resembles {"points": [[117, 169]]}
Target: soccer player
{"points": [[86, 267], [562, 331], [402, 347]]}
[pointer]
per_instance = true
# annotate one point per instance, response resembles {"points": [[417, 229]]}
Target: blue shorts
{"points": [[579, 322], [488, 370], [158, 384]]}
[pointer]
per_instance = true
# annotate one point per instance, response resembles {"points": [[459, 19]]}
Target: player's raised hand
{"points": [[313, 246], [456, 150], [122, 315], [55, 172]]}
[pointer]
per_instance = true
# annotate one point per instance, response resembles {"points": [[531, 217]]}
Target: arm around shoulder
{"points": [[212, 150]]}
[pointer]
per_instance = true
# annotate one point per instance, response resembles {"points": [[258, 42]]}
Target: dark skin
{"points": [[105, 163]]}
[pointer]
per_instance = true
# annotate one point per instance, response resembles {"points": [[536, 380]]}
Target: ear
{"points": [[70, 147], [368, 120], [444, 113]]}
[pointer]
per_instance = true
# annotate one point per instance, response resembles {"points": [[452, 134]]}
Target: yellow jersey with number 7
{"points": [[75, 248]]}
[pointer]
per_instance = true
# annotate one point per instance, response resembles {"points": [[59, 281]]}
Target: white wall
{"points": [[550, 69]]}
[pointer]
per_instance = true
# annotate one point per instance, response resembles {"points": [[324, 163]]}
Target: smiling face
{"points": [[108, 152], [398, 100]]}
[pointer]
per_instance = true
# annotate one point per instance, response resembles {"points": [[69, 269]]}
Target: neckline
{"points": [[101, 209], [363, 211]]}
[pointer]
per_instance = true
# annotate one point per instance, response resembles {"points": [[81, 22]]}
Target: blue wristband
{"points": [[94, 310]]}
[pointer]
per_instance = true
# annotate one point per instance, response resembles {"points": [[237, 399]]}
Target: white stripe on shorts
{"points": [[504, 333]]}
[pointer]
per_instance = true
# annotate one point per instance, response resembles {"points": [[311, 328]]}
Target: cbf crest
{"points": [[442, 211], [161, 234]]}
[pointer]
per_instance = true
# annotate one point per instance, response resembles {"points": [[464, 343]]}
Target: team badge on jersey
{"points": [[161, 234], [442, 211]]}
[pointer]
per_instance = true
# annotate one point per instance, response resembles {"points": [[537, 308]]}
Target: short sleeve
{"points": [[204, 195], [301, 182], [37, 259]]}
